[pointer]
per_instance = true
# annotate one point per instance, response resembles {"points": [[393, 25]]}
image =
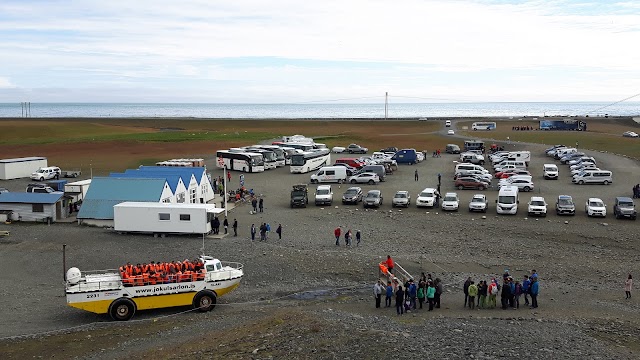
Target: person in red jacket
{"points": [[337, 233], [390, 264]]}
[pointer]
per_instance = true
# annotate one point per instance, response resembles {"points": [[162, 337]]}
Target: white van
{"points": [[593, 177], [507, 202], [447, 123], [467, 167], [519, 156], [324, 195], [550, 171], [511, 164], [337, 174]]}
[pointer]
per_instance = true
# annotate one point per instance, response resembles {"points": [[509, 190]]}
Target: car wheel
{"points": [[350, 151], [581, 182], [371, 182], [353, 181], [481, 187], [41, 178], [606, 182], [526, 188]]}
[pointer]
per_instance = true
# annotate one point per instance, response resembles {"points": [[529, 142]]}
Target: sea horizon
{"points": [[315, 110]]}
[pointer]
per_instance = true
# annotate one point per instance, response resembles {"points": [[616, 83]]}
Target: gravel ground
{"points": [[582, 265]]}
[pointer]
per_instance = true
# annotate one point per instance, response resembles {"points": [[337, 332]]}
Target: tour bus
{"points": [[280, 154], [240, 161], [483, 126], [269, 157], [473, 145], [310, 160], [303, 147]]}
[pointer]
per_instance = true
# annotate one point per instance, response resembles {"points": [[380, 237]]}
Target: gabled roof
{"points": [[172, 180], [105, 192], [30, 198], [184, 172]]}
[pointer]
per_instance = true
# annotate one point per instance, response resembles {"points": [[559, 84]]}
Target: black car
{"points": [[353, 195], [390, 149], [350, 169]]}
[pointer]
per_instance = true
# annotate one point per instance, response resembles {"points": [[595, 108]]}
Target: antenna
{"points": [[386, 105], [203, 244]]}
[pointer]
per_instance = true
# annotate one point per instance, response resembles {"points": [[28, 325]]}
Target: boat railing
{"points": [[95, 280], [235, 271]]}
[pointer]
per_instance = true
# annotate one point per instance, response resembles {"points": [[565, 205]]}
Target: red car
{"points": [[351, 162], [510, 173]]}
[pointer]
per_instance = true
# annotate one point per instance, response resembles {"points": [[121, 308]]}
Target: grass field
{"points": [[600, 136]]}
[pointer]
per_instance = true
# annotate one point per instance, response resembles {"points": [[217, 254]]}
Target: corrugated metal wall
{"points": [[24, 212]]}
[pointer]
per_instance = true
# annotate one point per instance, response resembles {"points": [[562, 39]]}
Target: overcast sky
{"points": [[277, 51]]}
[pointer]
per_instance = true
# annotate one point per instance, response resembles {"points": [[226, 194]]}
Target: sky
{"points": [[291, 51]]}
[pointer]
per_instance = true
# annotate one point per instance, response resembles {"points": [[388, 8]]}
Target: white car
{"points": [[450, 202], [426, 198], [482, 175], [587, 167], [582, 163], [522, 183], [338, 149], [550, 171], [479, 202], [451, 132], [595, 207], [365, 178], [537, 206], [630, 134], [579, 160], [324, 195], [401, 198]]}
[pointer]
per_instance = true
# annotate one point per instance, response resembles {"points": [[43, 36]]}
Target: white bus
{"points": [[288, 152], [268, 156], [280, 154], [310, 160], [299, 146], [240, 161], [483, 126]]}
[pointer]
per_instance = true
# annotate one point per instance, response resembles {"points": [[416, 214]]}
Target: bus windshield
{"points": [[297, 159]]}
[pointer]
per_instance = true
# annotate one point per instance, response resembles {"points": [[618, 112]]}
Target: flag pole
{"points": [[225, 190]]}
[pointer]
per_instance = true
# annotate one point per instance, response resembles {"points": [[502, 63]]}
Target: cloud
{"points": [[5, 83]]}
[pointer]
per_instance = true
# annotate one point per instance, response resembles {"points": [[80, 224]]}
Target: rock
{"points": [[255, 351], [566, 222], [604, 224], [484, 217]]}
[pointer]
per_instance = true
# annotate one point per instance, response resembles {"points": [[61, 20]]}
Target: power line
{"points": [[614, 103], [425, 98], [334, 100]]}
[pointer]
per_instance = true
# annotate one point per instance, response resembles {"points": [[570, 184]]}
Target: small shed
{"points": [[34, 206], [20, 167], [77, 189]]}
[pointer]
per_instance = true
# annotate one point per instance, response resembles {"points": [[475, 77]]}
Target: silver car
{"points": [[479, 202], [372, 199], [365, 178], [401, 198]]}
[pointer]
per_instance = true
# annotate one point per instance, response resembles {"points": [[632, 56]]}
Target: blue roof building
{"points": [[34, 206]]}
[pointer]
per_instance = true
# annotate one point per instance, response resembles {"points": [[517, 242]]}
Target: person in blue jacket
{"points": [[535, 290], [389, 295], [526, 283]]}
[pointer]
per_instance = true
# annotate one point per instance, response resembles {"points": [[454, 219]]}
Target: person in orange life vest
{"points": [[390, 264]]}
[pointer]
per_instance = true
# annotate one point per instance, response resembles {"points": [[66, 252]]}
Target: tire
{"points": [[606, 182], [353, 181], [75, 175], [314, 181], [122, 309], [460, 187], [204, 301], [41, 178], [526, 189], [581, 182], [481, 187], [371, 182], [350, 151]]}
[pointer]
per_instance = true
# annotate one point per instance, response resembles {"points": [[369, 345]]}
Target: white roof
{"points": [[24, 159], [133, 204], [81, 182]]}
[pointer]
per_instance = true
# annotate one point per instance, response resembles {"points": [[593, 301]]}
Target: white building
{"points": [[20, 167]]}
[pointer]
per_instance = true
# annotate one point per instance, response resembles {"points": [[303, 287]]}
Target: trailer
{"points": [[77, 189], [164, 218], [20, 167], [567, 124], [70, 173]]}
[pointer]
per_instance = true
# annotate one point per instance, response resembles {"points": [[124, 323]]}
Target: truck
{"points": [[161, 219], [70, 173], [121, 292], [299, 195], [567, 124]]}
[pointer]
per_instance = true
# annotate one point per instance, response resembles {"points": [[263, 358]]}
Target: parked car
{"points": [[324, 195], [624, 207], [550, 171], [450, 202], [565, 159], [390, 149], [579, 160], [365, 178], [479, 202], [46, 173], [486, 177], [427, 198], [401, 198], [537, 206], [372, 199], [356, 149], [522, 183], [553, 148], [515, 172], [630, 134], [473, 158], [552, 151], [4, 190], [40, 188], [577, 172], [350, 169], [353, 195], [565, 205], [595, 207], [452, 149], [468, 182], [338, 149], [451, 132]]}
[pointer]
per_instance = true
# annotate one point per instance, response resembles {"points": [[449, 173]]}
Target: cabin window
{"points": [[331, 172], [37, 208], [164, 216], [192, 196], [180, 198], [185, 217], [166, 200]]}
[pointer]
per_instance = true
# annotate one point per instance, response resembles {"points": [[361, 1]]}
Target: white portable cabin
{"points": [[77, 189], [164, 218], [20, 167]]}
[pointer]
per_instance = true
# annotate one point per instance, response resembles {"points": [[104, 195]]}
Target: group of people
{"points": [[162, 272], [348, 236], [636, 191], [522, 128], [265, 229], [409, 296], [257, 204], [484, 295], [215, 226], [436, 153]]}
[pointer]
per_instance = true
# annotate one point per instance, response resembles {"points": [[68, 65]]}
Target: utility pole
{"points": [[224, 176], [386, 105]]}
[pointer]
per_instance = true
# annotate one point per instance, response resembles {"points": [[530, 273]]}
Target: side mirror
{"points": [[496, 201]]}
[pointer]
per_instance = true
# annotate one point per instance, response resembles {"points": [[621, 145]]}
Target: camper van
{"points": [[507, 202], [520, 156], [468, 167], [406, 156], [337, 174]]}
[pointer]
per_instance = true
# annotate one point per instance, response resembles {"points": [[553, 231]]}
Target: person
{"points": [[358, 237], [389, 264], [518, 292], [438, 153], [413, 294], [279, 231], [400, 301], [512, 297], [482, 294], [421, 292], [267, 227], [228, 175], [465, 289], [473, 292], [628, 285], [226, 225], [505, 295], [526, 283], [261, 204], [439, 291], [254, 204], [263, 232], [70, 208], [377, 293], [535, 290], [235, 227], [389, 295], [347, 237], [493, 292], [431, 294], [534, 275], [253, 232], [437, 194], [337, 233], [415, 176], [636, 191]]}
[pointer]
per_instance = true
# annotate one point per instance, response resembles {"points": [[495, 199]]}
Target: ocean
{"points": [[328, 110]]}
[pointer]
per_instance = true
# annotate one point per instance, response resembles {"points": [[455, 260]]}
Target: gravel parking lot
{"points": [[582, 265]]}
